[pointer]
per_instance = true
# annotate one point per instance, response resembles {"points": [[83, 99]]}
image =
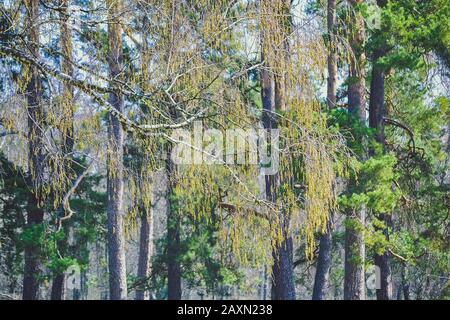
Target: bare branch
{"points": [[68, 212]]}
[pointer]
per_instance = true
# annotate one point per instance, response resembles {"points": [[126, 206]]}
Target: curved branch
{"points": [[404, 127], [68, 212]]}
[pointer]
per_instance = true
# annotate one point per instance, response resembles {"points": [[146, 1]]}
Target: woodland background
{"points": [[93, 207]]}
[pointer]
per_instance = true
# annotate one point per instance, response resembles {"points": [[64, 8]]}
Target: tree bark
{"points": [[324, 260], [145, 253], [405, 283], [283, 285], [354, 279], [332, 55], [377, 112], [35, 212], [116, 241], [173, 237], [274, 99], [174, 289], [376, 115], [385, 291], [146, 230], [376, 103], [326, 240], [58, 287], [67, 127], [357, 76]]}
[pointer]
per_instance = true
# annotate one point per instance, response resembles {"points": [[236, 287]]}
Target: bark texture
{"points": [[332, 55], [273, 84], [376, 116], [67, 126], [377, 112], [173, 238], [354, 280], [116, 241], [326, 239], [35, 212], [145, 253], [58, 287], [321, 279], [146, 229]]}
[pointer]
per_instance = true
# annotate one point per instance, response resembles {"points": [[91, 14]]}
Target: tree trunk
{"points": [[66, 68], [35, 212], [377, 112], [145, 253], [116, 241], [405, 283], [332, 55], [173, 237], [377, 109], [67, 122], [326, 240], [283, 285], [382, 262], [354, 284], [264, 283], [58, 287], [376, 115], [146, 230], [174, 290], [273, 99], [323, 263], [357, 76], [354, 279]]}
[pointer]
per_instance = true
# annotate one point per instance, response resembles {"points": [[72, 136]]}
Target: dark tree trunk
{"points": [[174, 289], [385, 291], [58, 287], [326, 240], [332, 55], [116, 241], [146, 230], [323, 263], [377, 112], [354, 279], [273, 99], [66, 124], [376, 115], [356, 92], [357, 76], [32, 267], [173, 237], [376, 103], [283, 285], [145, 253], [35, 213], [67, 68]]}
